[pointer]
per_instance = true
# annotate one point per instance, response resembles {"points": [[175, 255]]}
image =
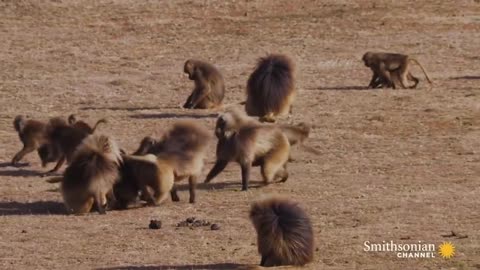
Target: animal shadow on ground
{"points": [[216, 266], [9, 164], [129, 109], [339, 88], [32, 208], [19, 173], [222, 185], [172, 115], [466, 78]]}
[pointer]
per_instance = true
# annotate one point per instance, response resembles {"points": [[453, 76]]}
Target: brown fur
{"points": [[49, 153], [72, 120], [65, 139], [209, 85], [249, 143], [270, 88], [388, 68], [296, 133], [32, 134], [139, 173], [284, 232], [91, 174], [184, 146], [145, 145], [381, 82]]}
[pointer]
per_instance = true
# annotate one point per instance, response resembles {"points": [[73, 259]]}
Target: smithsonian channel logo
{"points": [[420, 249]]}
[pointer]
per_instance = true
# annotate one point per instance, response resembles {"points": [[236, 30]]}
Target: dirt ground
{"points": [[394, 165]]}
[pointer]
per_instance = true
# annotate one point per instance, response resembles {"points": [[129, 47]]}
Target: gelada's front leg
{"points": [[192, 183], [58, 165], [188, 103], [173, 194], [217, 168], [371, 85], [245, 175]]}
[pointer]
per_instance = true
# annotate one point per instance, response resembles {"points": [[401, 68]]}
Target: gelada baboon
{"points": [[32, 134], [91, 174], [50, 153], [64, 138], [209, 88], [143, 173], [284, 232], [389, 67], [184, 146], [249, 143], [270, 88]]}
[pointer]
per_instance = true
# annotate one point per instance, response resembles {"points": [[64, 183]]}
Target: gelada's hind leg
{"points": [[27, 148], [270, 118], [274, 171], [101, 202], [414, 79], [262, 261], [160, 196], [148, 197], [282, 174], [81, 207], [403, 75], [163, 186], [269, 261], [274, 164], [268, 172], [174, 194], [208, 104]]}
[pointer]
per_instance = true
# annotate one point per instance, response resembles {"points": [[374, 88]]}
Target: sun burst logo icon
{"points": [[446, 250]]}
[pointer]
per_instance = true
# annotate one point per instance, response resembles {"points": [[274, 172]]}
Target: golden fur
{"points": [[250, 143], [388, 68], [184, 146], [90, 176], [139, 173]]}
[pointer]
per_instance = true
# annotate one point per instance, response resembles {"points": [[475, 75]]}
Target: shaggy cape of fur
{"points": [[284, 231], [270, 87], [92, 172], [185, 144]]}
